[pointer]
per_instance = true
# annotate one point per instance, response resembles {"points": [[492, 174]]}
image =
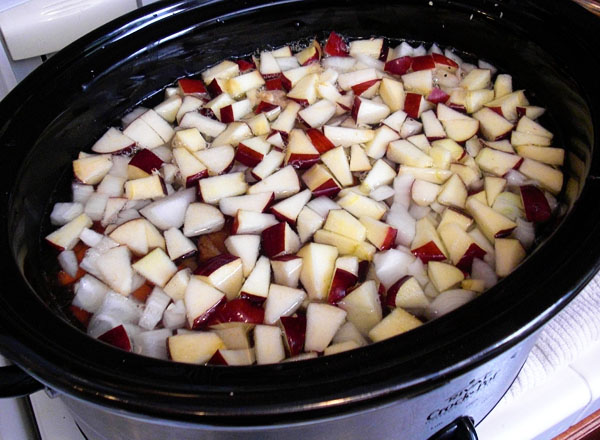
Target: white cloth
{"points": [[562, 340]]}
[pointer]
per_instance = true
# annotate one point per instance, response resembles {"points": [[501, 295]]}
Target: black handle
{"points": [[460, 429], [14, 382]]}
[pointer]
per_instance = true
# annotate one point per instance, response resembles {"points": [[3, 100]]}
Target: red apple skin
{"points": [[336, 46], [497, 110], [503, 233], [264, 106], [254, 299], [390, 298], [429, 252], [209, 266], [521, 111], [319, 140], [355, 108], [303, 161], [328, 189], [466, 260], [214, 89], [191, 180], [385, 50], [294, 328], [398, 66], [363, 270], [208, 113], [217, 359], [117, 337], [303, 102], [361, 88], [274, 83], [180, 260], [443, 60], [458, 107], [342, 280], [518, 164], [208, 317], [284, 136], [389, 240], [437, 96], [272, 240], [536, 205], [412, 104], [245, 65], [191, 86], [288, 257], [248, 156], [146, 161], [424, 62], [241, 310], [314, 59], [227, 114], [286, 83], [282, 217]]}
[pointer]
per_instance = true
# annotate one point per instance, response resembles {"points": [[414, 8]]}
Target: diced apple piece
{"points": [[433, 175], [461, 129], [424, 193], [234, 334], [406, 293], [322, 322], [379, 233], [527, 125], [359, 205], [143, 134], [133, 235], [404, 152], [252, 151], [509, 254], [458, 217], [92, 169], [250, 222], [213, 189], [67, 236], [392, 93], [535, 204], [547, 155], [205, 125], [224, 272], [201, 218], [282, 301], [427, 244], [268, 344], [497, 162], [493, 186], [244, 356], [492, 125], [194, 348], [318, 262], [320, 181], [308, 223], [358, 159], [548, 177], [223, 70], [477, 79], [317, 114], [453, 192], [151, 187], [268, 165], [190, 167], [342, 222], [381, 174], [279, 240], [286, 270], [177, 285], [251, 202], [444, 276], [283, 183], [460, 245], [113, 141], [156, 267], [518, 139], [238, 85], [300, 152], [492, 223], [346, 137], [246, 247], [502, 86], [397, 322], [419, 82], [363, 306], [256, 286], [344, 277]]}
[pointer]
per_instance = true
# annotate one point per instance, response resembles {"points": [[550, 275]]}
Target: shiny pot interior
{"points": [[72, 99]]}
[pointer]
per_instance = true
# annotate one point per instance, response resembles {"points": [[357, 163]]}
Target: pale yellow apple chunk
{"points": [[509, 254], [550, 178], [490, 221], [444, 276], [342, 222], [318, 262], [397, 322], [156, 267], [363, 307], [345, 245], [194, 348]]}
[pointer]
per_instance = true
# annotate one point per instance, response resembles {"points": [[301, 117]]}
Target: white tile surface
{"points": [[541, 413], [15, 423]]}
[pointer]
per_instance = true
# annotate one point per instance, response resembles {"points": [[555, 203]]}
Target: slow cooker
{"points": [[443, 377]]}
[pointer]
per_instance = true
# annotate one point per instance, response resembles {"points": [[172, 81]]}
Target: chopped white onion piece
{"points": [[156, 304], [447, 301], [68, 262], [63, 213], [89, 293]]}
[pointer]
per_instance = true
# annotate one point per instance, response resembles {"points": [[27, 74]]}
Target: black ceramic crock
{"points": [[409, 387]]}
